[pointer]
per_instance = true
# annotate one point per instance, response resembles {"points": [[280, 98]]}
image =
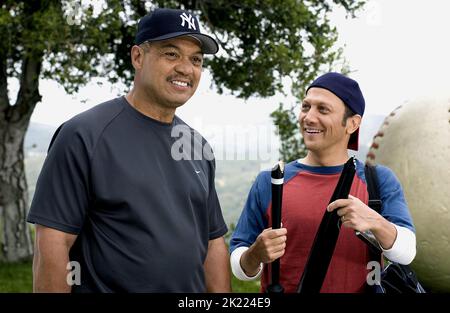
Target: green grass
{"points": [[244, 286], [16, 277]]}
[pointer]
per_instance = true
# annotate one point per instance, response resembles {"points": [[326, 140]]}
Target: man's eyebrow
{"points": [[324, 104], [168, 45], [319, 103], [171, 45]]}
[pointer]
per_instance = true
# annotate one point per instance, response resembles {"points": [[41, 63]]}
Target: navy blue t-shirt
{"points": [[138, 194]]}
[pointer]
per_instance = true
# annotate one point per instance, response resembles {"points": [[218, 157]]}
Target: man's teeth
{"points": [[313, 131], [179, 83]]}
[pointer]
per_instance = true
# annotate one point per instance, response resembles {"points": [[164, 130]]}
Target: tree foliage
{"points": [[263, 41]]}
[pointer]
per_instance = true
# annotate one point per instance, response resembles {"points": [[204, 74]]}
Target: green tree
{"points": [[263, 43], [38, 41]]}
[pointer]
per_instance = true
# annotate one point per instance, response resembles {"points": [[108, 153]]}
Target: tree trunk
{"points": [[15, 239]]}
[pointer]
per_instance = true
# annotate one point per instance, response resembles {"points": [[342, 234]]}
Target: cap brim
{"points": [[353, 142], [208, 44]]}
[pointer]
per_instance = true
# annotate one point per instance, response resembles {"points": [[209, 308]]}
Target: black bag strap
{"points": [[324, 243], [375, 204], [373, 188], [403, 276]]}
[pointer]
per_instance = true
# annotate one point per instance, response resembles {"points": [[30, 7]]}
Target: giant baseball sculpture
{"points": [[414, 141]]}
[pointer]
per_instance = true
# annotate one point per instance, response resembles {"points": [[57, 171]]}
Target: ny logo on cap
{"points": [[189, 19]]}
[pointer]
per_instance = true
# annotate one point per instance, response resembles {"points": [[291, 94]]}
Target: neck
{"points": [[325, 159], [149, 108]]}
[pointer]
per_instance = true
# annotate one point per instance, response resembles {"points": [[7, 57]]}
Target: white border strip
{"points": [[277, 181]]}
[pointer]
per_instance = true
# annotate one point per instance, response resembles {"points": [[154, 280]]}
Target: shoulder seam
{"points": [[298, 171], [94, 150]]}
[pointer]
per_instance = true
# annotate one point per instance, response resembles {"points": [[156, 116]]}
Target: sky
{"points": [[397, 50]]}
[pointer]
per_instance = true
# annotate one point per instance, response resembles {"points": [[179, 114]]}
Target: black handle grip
{"points": [[277, 180]]}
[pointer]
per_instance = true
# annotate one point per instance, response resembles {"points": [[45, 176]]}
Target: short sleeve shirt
{"points": [[138, 194]]}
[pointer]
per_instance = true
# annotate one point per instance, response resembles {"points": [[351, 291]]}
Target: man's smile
{"points": [[312, 131], [180, 82]]}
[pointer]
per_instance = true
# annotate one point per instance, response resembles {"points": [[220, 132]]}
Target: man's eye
{"points": [[171, 55], [323, 110], [197, 61], [305, 107]]}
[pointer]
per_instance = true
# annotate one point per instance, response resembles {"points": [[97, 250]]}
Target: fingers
{"points": [[279, 241], [342, 212], [275, 252], [273, 237], [275, 248], [274, 233], [340, 203], [277, 255], [347, 224], [270, 244]]}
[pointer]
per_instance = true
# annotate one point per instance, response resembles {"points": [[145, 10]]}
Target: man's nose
{"points": [[309, 117], [184, 66]]}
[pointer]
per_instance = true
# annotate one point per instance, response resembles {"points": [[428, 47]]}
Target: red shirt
{"points": [[305, 198]]}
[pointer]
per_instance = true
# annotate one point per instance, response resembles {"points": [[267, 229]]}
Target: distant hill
{"points": [[36, 144], [38, 137], [233, 182]]}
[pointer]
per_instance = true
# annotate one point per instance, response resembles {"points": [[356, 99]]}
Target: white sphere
{"points": [[414, 141]]}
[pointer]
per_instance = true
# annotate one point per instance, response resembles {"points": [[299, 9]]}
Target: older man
{"points": [[117, 199]]}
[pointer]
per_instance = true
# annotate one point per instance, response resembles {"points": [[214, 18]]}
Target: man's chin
{"points": [[176, 102], [312, 146], [308, 144]]}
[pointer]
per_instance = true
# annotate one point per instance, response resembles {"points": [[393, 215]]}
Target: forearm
{"points": [[51, 257], [237, 268], [385, 232], [398, 243], [250, 263], [269, 246], [217, 267], [50, 273]]}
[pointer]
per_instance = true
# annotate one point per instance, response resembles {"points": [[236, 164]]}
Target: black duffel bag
{"points": [[397, 278]]}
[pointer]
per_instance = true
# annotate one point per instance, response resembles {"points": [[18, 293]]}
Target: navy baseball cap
{"points": [[164, 24], [348, 91]]}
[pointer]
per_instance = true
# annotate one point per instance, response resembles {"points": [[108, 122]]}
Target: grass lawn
{"points": [[244, 286], [18, 278]]}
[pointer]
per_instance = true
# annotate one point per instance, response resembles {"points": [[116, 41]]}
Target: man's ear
{"points": [[137, 57], [353, 123]]}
